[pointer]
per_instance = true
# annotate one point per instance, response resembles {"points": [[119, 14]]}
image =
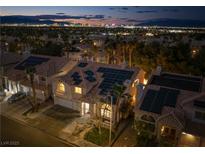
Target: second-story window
{"points": [[78, 90], [61, 88]]}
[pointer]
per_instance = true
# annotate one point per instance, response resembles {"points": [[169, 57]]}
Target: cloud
{"points": [[147, 11], [124, 8], [60, 13], [134, 20], [170, 10]]}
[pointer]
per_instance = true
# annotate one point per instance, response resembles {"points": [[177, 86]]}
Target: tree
{"points": [[30, 71], [144, 134], [117, 93], [125, 105]]}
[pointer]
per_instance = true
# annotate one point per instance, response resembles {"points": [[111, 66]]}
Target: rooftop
{"points": [[169, 90], [99, 77], [44, 65], [178, 81], [155, 100]]}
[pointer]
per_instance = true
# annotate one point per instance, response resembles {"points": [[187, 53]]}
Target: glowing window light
{"points": [[61, 88], [78, 90]]}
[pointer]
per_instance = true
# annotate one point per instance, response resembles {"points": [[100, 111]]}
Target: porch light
{"points": [[145, 81], [188, 135], [162, 129]]}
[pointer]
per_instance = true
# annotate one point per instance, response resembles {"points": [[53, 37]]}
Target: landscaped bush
{"points": [[96, 138]]}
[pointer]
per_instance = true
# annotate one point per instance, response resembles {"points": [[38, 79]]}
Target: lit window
{"points": [[61, 88], [168, 132], [106, 111], [78, 90]]}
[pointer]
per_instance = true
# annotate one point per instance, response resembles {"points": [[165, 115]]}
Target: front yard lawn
{"points": [[99, 139]]}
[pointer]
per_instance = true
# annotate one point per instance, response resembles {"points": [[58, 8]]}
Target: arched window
{"points": [[60, 88], [106, 111]]}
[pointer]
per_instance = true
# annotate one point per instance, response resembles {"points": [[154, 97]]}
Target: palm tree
{"points": [[117, 92], [30, 71], [125, 106], [131, 47]]}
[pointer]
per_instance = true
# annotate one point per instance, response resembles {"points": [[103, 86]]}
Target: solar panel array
{"points": [[155, 100], [178, 82], [82, 64], [90, 76], [111, 77], [76, 78], [31, 61], [199, 103]]}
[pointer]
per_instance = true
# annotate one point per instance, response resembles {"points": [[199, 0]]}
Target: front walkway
{"points": [[127, 137]]}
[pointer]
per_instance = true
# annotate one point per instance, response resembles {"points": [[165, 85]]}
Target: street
{"points": [[16, 134]]}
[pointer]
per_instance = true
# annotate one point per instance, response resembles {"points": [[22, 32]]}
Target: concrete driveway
{"points": [[15, 109]]}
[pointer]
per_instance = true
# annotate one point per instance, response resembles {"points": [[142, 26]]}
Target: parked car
{"points": [[16, 97], [2, 95]]}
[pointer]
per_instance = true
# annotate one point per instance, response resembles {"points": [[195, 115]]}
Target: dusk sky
{"points": [[118, 15]]}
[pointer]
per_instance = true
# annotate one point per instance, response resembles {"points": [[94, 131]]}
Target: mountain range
{"points": [[49, 19]]}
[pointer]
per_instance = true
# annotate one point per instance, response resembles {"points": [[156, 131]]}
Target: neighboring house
{"points": [[7, 61], [85, 88], [88, 53], [174, 106], [46, 69]]}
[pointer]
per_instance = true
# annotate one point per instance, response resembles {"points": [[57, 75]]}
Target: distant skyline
{"points": [[108, 15]]}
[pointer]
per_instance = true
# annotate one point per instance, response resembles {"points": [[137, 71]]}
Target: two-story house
{"points": [[173, 105], [86, 88], [46, 68]]}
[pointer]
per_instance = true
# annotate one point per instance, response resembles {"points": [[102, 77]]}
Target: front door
{"points": [[85, 108]]}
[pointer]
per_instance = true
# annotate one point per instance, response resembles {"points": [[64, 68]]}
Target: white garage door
{"points": [[66, 103]]}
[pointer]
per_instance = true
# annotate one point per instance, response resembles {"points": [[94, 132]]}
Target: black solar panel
{"points": [[31, 61], [91, 78], [181, 77], [112, 76], [77, 82], [158, 103], [154, 101], [82, 64], [75, 74], [178, 82], [148, 99], [89, 72], [171, 97], [199, 103]]}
